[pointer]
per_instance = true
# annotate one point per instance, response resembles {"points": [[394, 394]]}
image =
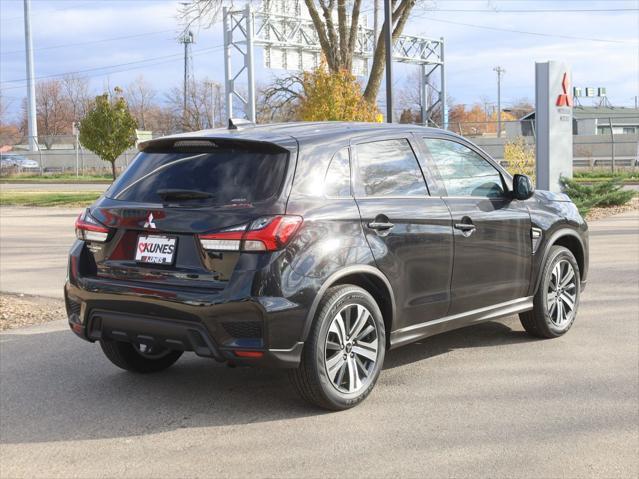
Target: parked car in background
{"points": [[19, 162], [317, 247], [7, 163], [26, 164]]}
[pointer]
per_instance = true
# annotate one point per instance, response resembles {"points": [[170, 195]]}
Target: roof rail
{"points": [[237, 123]]}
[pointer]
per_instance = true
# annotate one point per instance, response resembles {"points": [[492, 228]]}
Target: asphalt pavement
{"points": [[34, 243], [486, 401]]}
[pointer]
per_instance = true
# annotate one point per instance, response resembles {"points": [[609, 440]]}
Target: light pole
{"points": [[500, 71], [388, 40], [213, 86], [31, 98]]}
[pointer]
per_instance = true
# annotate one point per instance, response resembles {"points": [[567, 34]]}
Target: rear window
{"points": [[228, 176]]}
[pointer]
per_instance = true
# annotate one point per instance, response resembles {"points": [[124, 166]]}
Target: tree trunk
{"points": [[113, 169], [400, 17]]}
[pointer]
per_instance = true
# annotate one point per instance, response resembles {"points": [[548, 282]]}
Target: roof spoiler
{"points": [[237, 123]]}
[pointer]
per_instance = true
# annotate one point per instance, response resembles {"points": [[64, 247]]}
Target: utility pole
{"points": [[187, 40], [375, 23], [388, 40], [500, 71], [213, 86], [32, 120]]}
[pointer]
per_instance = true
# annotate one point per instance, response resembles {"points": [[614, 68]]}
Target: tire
{"points": [[543, 321], [129, 357], [324, 378]]}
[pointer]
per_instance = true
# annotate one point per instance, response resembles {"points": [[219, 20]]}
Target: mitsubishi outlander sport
{"points": [[317, 247]]}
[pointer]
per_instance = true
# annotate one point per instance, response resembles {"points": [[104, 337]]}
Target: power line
{"points": [[91, 42], [141, 63], [548, 10], [539, 34], [33, 14]]}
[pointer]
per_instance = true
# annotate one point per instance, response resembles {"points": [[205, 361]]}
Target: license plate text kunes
{"points": [[155, 249]]}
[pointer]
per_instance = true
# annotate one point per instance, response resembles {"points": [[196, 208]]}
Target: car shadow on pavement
{"points": [[55, 388], [478, 336]]}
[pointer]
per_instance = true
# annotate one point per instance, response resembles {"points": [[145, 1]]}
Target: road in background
{"points": [[485, 401], [34, 244]]}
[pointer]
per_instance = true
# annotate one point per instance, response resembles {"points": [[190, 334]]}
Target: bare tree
{"points": [[53, 111], [9, 130], [77, 96], [336, 23], [409, 99], [521, 107], [203, 105], [5, 104], [278, 101], [140, 97], [161, 120]]}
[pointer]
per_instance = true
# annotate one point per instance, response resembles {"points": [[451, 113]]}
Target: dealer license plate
{"points": [[156, 249]]}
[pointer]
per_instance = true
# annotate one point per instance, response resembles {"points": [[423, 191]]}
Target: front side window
{"points": [[462, 171], [388, 168], [337, 183]]}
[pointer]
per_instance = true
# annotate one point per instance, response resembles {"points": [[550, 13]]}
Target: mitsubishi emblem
{"points": [[564, 98], [149, 222]]}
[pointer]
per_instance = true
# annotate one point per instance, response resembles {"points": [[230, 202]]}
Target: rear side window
{"points": [[337, 183], [227, 175], [388, 168]]}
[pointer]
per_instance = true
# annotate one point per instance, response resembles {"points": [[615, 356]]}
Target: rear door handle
{"points": [[380, 226]]}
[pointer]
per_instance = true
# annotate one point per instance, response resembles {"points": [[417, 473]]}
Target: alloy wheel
{"points": [[351, 349], [561, 296]]}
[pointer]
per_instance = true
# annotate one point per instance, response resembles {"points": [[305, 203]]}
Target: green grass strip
{"points": [[57, 198]]}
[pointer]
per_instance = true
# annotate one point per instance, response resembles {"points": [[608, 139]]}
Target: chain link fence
{"points": [[597, 143]]}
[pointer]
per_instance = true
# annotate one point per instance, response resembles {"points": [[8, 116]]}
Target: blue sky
{"points": [[106, 40]]}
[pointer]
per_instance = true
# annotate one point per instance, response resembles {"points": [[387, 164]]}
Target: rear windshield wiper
{"points": [[179, 194]]}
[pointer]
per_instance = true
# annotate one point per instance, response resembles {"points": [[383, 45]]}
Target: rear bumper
{"points": [[243, 331]]}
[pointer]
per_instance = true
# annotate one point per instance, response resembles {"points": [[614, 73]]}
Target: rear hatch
{"points": [[174, 194]]}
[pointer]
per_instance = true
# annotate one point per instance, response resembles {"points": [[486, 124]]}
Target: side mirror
{"points": [[522, 187]]}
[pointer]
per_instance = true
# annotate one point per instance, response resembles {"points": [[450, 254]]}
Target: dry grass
{"points": [[598, 213], [19, 310]]}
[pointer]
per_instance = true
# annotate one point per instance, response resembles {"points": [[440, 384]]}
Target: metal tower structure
{"points": [[290, 42], [187, 39]]}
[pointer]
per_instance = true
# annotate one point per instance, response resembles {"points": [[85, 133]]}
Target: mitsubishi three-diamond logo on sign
{"points": [[149, 222], [564, 98]]}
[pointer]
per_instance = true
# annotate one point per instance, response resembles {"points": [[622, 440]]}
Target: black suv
{"points": [[317, 247]]}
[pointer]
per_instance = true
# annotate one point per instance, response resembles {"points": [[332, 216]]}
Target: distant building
{"points": [[587, 120]]}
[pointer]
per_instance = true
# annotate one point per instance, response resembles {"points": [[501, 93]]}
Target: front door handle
{"points": [[380, 225], [465, 227]]}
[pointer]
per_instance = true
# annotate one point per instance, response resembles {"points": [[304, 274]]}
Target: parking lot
{"points": [[485, 401]]}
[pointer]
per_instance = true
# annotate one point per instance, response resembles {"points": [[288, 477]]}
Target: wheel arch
{"points": [[570, 240], [366, 277]]}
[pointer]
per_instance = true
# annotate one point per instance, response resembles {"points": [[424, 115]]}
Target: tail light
{"points": [[268, 233], [87, 228]]}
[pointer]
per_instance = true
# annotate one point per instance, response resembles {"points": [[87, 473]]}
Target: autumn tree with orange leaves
{"points": [[475, 121], [328, 96]]}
